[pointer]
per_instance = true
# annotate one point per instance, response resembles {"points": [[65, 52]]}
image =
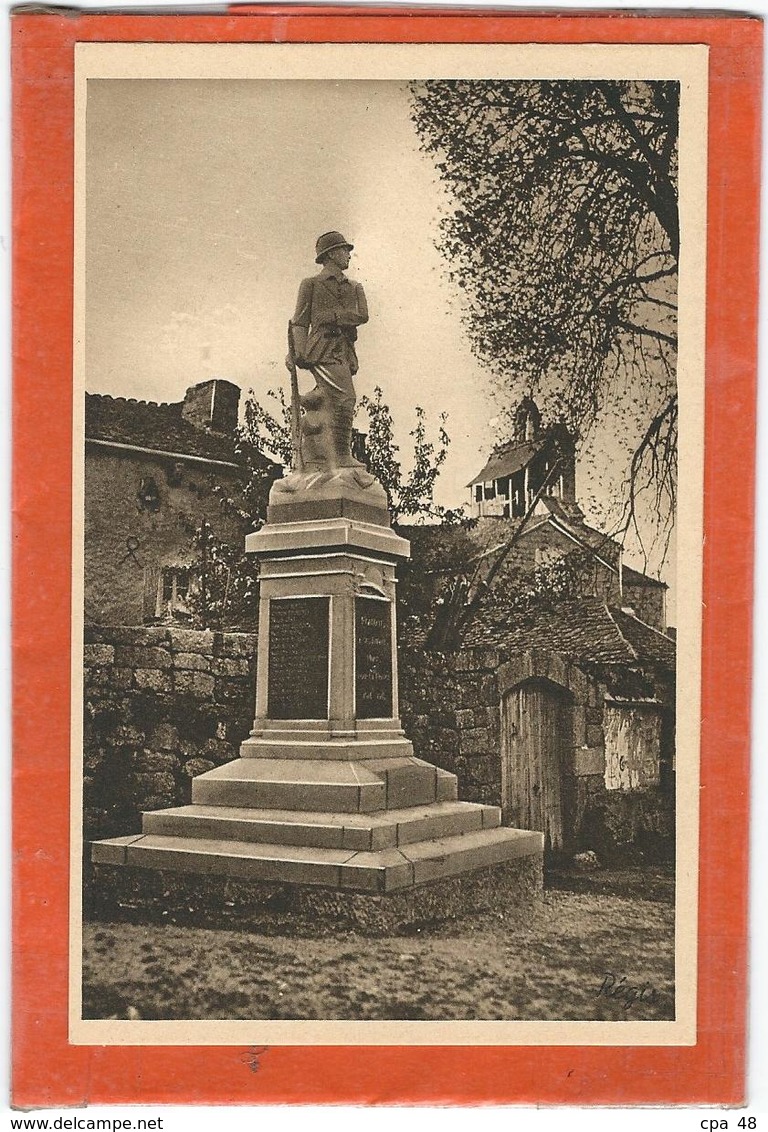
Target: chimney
{"points": [[359, 449], [212, 405]]}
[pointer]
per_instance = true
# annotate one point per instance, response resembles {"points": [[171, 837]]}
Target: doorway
{"points": [[535, 735]]}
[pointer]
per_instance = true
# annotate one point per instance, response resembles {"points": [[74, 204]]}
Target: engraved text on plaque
{"points": [[298, 658], [373, 658]]}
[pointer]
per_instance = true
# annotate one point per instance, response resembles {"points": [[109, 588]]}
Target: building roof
{"points": [[649, 643], [632, 577], [489, 536], [510, 457], [586, 630], [507, 460], [571, 518], [157, 426]]}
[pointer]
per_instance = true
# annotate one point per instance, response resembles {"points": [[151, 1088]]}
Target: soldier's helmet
{"points": [[327, 242]]}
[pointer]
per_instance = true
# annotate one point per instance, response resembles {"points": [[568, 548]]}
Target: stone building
{"points": [[562, 713], [153, 474], [541, 462], [565, 717], [561, 709], [535, 458]]}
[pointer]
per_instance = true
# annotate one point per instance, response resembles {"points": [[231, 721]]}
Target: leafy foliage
{"points": [[411, 494], [564, 239], [529, 592], [267, 427], [442, 558], [225, 588]]}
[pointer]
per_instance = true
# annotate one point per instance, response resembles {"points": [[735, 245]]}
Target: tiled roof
{"points": [[648, 643], [635, 578], [585, 630], [571, 518], [147, 424], [598, 541], [569, 512]]}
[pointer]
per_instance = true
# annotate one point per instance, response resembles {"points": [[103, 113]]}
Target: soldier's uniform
{"points": [[329, 308]]}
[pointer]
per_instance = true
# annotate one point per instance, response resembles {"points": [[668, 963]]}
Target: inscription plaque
{"points": [[373, 658], [297, 685]]}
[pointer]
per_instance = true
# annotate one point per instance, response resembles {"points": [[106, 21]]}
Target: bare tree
{"points": [[564, 239]]}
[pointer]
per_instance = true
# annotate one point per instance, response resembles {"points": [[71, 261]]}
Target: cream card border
{"points": [[689, 65]]}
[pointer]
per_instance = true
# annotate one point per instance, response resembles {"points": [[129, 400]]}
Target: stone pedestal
{"points": [[327, 793], [326, 683]]}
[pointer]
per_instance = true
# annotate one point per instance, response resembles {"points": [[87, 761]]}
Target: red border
{"points": [[49, 1072]]}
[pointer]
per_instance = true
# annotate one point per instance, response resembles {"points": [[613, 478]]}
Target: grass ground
{"points": [[550, 965]]}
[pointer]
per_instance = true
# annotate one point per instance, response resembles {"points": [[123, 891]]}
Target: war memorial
{"points": [[327, 811]]}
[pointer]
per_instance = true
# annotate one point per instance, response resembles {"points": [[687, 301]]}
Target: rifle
{"points": [[295, 406]]}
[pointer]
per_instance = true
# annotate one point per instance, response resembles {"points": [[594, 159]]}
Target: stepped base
{"points": [[378, 871], [368, 832], [330, 786], [377, 827], [292, 742]]}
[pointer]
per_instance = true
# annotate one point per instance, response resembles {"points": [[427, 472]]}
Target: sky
{"points": [[204, 199]]}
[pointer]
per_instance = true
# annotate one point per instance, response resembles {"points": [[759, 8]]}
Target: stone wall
{"points": [[649, 604], [449, 706], [161, 706], [451, 711]]}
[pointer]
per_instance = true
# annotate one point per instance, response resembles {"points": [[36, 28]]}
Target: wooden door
{"points": [[535, 722]]}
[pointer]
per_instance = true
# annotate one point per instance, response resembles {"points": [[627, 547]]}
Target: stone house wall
{"points": [[451, 707], [128, 539], [649, 604], [545, 545]]}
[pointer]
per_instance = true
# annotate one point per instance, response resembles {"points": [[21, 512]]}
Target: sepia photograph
{"points": [[388, 467]]}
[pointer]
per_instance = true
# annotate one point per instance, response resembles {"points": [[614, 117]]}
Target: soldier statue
{"points": [[322, 336]]}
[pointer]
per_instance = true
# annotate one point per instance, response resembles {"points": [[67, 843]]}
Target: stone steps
{"points": [[378, 872], [372, 827], [326, 786], [383, 830]]}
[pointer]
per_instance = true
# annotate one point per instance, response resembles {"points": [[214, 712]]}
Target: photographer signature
{"points": [[627, 994]]}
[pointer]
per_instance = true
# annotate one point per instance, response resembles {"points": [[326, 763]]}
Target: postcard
{"points": [[392, 638]]}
